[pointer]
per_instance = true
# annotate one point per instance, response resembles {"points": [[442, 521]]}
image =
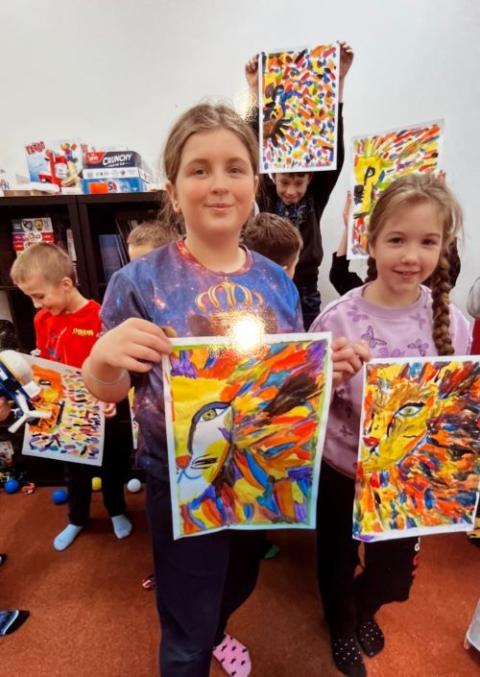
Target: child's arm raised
{"points": [[342, 278], [135, 345]]}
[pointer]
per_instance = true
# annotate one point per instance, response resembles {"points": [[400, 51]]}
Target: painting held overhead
{"points": [[298, 95], [418, 465], [75, 430], [245, 431], [379, 159]]}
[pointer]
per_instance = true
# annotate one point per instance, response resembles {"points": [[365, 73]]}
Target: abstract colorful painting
{"points": [[245, 431], [418, 466], [299, 109], [75, 430], [379, 159]]}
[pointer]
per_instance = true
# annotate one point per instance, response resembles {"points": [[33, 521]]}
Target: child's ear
{"points": [[66, 284], [172, 194]]}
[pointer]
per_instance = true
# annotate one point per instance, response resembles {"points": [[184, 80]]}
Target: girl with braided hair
{"points": [[410, 232]]}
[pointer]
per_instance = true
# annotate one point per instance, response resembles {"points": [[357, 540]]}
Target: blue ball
{"points": [[11, 486], [60, 496]]}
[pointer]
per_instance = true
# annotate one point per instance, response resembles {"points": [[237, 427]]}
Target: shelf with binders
{"points": [[105, 222]]}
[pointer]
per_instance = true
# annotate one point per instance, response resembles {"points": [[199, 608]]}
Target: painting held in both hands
{"points": [[245, 430], [298, 95], [418, 468], [379, 159]]}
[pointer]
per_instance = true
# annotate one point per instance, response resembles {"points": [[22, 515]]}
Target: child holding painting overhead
{"points": [[66, 327], [410, 231], [302, 196]]}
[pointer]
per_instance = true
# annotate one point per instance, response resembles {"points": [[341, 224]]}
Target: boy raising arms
{"points": [[66, 328], [302, 196]]}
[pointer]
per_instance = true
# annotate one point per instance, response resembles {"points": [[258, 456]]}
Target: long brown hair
{"points": [[411, 190], [202, 118]]}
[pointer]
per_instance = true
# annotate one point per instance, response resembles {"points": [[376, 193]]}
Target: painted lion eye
{"points": [[410, 409], [210, 414]]}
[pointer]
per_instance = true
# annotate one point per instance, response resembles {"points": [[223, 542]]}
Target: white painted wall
{"points": [[119, 71]]}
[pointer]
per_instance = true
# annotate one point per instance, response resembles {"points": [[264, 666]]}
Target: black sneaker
{"points": [[347, 656], [370, 636]]}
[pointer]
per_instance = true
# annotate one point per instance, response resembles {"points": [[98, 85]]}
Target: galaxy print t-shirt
{"points": [[172, 289]]}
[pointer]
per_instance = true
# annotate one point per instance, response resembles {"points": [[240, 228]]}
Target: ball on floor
{"points": [[11, 486], [60, 496], [134, 485], [96, 483]]}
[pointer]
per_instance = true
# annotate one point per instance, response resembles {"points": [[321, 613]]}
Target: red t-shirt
{"points": [[69, 337], [476, 338]]}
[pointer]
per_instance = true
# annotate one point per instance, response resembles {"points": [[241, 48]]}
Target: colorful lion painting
{"points": [[419, 465], [243, 432]]}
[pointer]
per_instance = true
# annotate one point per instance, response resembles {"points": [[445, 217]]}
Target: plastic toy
{"points": [[96, 483], [18, 386], [29, 488], [134, 485], [11, 486], [60, 496]]}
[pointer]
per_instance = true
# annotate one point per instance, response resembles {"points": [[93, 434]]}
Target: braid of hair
{"points": [[440, 306], [371, 269]]}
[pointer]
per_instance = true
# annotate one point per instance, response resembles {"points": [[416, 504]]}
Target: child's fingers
{"points": [[363, 351], [142, 352]]}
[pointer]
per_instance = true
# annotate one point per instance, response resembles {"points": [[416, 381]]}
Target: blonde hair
{"points": [[411, 190], [273, 236], [52, 262], [204, 117], [152, 233]]}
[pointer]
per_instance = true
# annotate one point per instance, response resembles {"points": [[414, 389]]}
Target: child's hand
{"points": [[441, 177], [347, 359], [109, 409], [347, 207], [251, 73], [346, 59], [5, 409], [134, 345]]}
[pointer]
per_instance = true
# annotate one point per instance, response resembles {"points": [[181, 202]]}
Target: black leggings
{"points": [[200, 582], [389, 566]]}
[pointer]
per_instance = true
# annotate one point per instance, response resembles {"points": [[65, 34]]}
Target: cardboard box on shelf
{"points": [[57, 163], [119, 171]]}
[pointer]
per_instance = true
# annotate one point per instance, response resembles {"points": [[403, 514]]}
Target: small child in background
{"points": [[302, 196], [66, 328], [147, 236], [276, 238]]}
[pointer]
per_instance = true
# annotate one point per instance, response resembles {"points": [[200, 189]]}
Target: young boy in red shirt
{"points": [[66, 328]]}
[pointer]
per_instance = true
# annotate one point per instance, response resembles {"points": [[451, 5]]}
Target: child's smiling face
{"points": [[215, 186], [407, 250], [291, 188]]}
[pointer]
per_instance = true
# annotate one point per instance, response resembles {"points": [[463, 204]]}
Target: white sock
{"points": [[66, 537], [122, 526]]}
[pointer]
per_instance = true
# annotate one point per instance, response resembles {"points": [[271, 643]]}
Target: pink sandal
{"points": [[233, 657]]}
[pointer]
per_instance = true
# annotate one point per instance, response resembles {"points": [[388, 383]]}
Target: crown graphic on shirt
{"points": [[227, 296]]}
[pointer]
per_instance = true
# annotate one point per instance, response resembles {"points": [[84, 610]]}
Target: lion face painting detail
{"points": [[419, 461]]}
